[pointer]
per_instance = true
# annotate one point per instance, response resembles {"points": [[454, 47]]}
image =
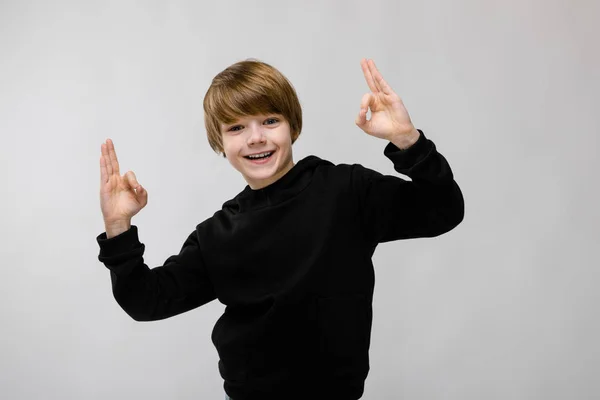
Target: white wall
{"points": [[503, 307]]}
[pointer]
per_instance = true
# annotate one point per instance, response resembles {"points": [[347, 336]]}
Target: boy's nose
{"points": [[256, 136]]}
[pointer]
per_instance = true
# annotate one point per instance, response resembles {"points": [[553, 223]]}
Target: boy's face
{"points": [[256, 134]]}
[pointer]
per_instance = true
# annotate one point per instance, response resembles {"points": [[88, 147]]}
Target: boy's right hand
{"points": [[121, 197]]}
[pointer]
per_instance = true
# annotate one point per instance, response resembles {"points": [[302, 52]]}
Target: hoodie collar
{"points": [[286, 187]]}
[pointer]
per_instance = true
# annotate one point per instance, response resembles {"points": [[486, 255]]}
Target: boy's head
{"points": [[251, 108]]}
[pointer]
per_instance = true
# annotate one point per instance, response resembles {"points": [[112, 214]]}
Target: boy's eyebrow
{"points": [[235, 121], [239, 119]]}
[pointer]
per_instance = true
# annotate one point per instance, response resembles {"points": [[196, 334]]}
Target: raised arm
{"points": [[179, 285], [390, 207]]}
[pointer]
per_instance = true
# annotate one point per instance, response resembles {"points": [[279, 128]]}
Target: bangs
{"points": [[228, 103]]}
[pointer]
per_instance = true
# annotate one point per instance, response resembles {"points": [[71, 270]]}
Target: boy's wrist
{"points": [[404, 142], [115, 228]]}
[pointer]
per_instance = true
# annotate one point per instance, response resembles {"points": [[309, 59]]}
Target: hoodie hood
{"points": [[288, 186]]}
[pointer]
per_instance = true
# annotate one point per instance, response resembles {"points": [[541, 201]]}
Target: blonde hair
{"points": [[249, 87]]}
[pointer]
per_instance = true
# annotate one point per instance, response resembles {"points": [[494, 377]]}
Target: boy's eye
{"points": [[275, 120]]}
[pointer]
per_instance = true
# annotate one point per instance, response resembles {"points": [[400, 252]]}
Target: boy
{"points": [[290, 255]]}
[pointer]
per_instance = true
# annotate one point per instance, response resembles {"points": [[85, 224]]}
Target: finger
{"points": [[103, 171], [113, 156], [132, 180], [361, 120], [107, 161], [368, 76], [367, 101], [142, 196], [379, 81], [373, 70]]}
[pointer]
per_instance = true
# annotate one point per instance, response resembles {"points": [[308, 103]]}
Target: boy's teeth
{"points": [[262, 155]]}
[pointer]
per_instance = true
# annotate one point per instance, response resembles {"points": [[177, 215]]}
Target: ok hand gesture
{"points": [[121, 197], [389, 118]]}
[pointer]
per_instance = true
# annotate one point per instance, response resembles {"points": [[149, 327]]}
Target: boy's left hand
{"points": [[389, 118]]}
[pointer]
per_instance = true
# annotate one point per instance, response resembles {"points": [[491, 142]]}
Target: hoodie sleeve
{"points": [[391, 208], [180, 285]]}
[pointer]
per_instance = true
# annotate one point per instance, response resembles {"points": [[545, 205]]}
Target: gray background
{"points": [[502, 307]]}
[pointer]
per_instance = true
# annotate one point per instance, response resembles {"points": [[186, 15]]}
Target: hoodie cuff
{"points": [[120, 246], [408, 158]]}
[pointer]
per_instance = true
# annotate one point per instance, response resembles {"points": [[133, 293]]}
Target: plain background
{"points": [[505, 306]]}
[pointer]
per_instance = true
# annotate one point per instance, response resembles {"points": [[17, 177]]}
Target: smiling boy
{"points": [[290, 255]]}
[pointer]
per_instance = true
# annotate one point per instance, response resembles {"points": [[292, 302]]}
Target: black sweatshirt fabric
{"points": [[292, 264]]}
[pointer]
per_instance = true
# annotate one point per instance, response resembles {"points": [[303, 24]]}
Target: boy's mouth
{"points": [[260, 158]]}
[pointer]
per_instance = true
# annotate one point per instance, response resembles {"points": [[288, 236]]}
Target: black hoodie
{"points": [[292, 264]]}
